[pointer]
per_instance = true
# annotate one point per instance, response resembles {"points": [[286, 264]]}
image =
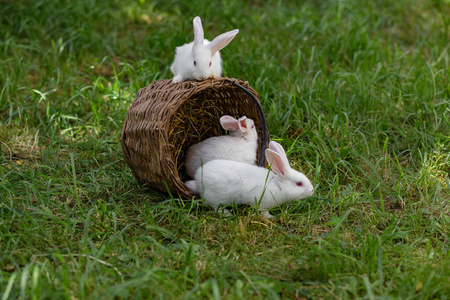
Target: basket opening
{"points": [[197, 119]]}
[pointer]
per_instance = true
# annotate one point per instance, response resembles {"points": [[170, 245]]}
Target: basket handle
{"points": [[263, 120]]}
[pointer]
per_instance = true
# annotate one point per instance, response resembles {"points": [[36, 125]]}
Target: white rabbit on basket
{"points": [[240, 145], [200, 59], [223, 182]]}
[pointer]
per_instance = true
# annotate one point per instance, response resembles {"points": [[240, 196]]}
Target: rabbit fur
{"points": [[240, 145], [223, 182], [200, 59]]}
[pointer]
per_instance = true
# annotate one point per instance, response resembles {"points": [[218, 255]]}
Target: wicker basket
{"points": [[165, 119]]}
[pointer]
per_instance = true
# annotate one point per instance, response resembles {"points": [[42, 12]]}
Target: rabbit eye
{"points": [[210, 64], [299, 183], [195, 63]]}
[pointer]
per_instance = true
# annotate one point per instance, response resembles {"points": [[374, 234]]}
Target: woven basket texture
{"points": [[167, 118]]}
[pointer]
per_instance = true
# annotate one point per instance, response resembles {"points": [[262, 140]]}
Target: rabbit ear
{"points": [[229, 123], [277, 163], [198, 31], [274, 146], [221, 41], [242, 122]]}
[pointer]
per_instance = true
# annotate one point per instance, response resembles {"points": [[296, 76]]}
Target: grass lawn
{"points": [[358, 92]]}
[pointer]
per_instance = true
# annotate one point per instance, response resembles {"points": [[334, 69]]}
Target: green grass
{"points": [[358, 93]]}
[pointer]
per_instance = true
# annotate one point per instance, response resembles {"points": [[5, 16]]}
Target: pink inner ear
{"points": [[274, 146], [229, 123], [276, 162], [222, 40], [243, 123]]}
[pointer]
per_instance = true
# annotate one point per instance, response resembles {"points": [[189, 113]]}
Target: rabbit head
{"points": [[200, 59], [243, 126], [206, 57], [293, 184]]}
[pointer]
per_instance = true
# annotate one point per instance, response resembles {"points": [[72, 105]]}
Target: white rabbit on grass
{"points": [[224, 182], [200, 59]]}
